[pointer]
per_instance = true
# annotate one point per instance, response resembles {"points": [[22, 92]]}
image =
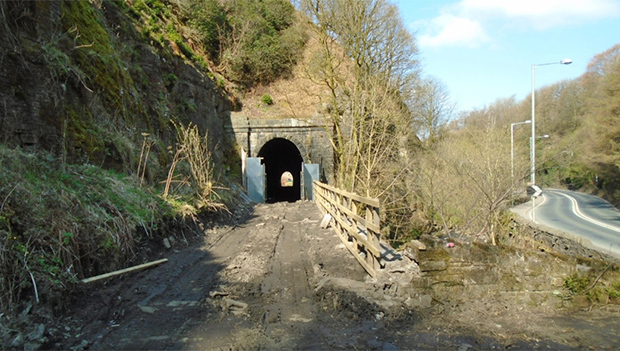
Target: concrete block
{"points": [[430, 266]]}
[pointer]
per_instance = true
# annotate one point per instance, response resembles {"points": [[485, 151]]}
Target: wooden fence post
{"points": [[358, 232]]}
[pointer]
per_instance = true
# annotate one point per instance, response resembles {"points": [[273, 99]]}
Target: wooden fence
{"points": [[360, 233]]}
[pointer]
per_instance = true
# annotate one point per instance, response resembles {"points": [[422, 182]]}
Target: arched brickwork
{"points": [[312, 138]]}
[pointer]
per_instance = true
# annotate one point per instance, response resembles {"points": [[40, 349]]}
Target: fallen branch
{"points": [[122, 271], [216, 293], [597, 279]]}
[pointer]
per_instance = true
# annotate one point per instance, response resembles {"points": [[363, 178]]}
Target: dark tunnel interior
{"points": [[279, 156]]}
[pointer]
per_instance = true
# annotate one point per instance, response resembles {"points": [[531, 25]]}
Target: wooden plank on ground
{"points": [[122, 271]]}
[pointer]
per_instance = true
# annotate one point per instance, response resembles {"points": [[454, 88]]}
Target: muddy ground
{"points": [[276, 280]]}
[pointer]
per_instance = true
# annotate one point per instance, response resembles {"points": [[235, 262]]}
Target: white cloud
{"points": [[467, 23], [452, 30], [540, 13]]}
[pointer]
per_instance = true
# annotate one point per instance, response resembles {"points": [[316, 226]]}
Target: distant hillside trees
{"points": [[250, 42], [432, 109], [464, 180], [602, 155]]}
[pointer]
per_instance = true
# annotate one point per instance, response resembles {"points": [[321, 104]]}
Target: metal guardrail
{"points": [[360, 234]]}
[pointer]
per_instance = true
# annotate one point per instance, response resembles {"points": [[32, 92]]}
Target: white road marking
{"points": [[579, 214], [532, 212]]}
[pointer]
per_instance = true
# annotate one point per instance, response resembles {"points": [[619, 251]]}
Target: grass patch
{"points": [[61, 224], [267, 100], [599, 288]]}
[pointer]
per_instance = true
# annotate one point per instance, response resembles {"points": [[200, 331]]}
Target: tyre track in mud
{"points": [[270, 263], [289, 287], [152, 309], [275, 275]]}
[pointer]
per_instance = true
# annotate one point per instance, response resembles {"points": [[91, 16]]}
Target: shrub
{"points": [[576, 284], [267, 100], [614, 290], [209, 17], [253, 42], [193, 164]]}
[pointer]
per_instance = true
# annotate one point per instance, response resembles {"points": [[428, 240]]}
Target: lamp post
{"points": [[533, 142], [512, 148]]}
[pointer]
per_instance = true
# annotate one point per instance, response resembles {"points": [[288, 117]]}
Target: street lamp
{"points": [[533, 144], [532, 141], [512, 148]]}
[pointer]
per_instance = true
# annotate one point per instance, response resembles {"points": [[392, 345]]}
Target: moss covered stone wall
{"points": [[87, 79]]}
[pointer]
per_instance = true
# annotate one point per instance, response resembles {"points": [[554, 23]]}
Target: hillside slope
{"points": [[295, 96], [85, 79], [94, 97]]}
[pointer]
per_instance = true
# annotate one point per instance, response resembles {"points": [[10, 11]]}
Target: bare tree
{"points": [[366, 60], [465, 180], [432, 109]]}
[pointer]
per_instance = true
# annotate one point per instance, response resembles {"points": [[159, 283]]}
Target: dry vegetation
{"points": [[63, 217], [60, 225], [297, 96]]}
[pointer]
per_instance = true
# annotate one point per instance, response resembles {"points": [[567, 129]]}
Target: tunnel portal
{"points": [[280, 156]]}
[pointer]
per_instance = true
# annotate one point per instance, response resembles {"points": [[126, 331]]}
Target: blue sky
{"points": [[483, 50]]}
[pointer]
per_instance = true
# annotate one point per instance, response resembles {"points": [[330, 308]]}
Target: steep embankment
{"points": [[86, 79], [91, 95], [95, 103]]}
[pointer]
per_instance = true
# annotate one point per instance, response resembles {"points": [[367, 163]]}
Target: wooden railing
{"points": [[360, 234]]}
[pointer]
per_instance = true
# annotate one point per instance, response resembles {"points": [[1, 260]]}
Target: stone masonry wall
{"points": [[312, 138]]}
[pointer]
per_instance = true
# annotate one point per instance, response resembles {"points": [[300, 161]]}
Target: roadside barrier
{"points": [[357, 223]]}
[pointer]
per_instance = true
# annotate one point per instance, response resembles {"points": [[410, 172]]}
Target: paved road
{"points": [[579, 214]]}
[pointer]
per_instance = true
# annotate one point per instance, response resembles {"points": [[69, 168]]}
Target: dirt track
{"points": [[271, 262], [278, 281]]}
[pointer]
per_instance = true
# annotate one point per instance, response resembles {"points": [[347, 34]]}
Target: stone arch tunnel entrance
{"points": [[282, 161], [271, 147]]}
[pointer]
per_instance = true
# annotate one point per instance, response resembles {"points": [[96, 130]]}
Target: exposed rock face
{"points": [[81, 79]]}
